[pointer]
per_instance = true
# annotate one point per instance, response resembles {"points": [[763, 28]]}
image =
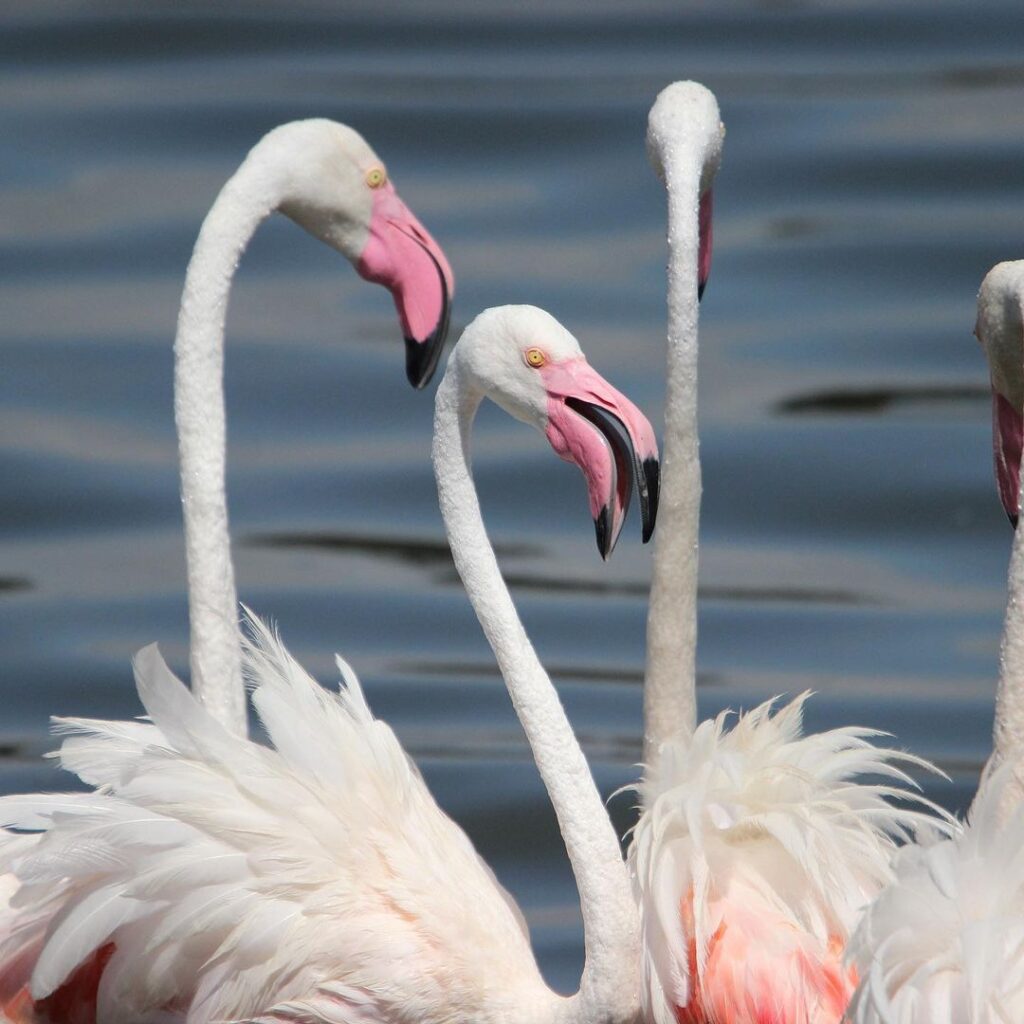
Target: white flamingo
{"points": [[207, 878], [1000, 330], [944, 943], [325, 177], [756, 848]]}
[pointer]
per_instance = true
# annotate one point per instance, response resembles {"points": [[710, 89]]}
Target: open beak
{"points": [[1007, 441], [401, 255], [606, 435], [704, 252]]}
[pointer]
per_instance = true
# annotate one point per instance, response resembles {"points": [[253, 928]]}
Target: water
{"points": [[851, 537]]}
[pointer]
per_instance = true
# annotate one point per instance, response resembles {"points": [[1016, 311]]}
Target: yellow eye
{"points": [[535, 358], [375, 177]]}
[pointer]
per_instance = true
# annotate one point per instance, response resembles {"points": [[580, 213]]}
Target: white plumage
{"points": [[945, 943], [756, 850], [316, 881], [757, 847], [211, 880]]}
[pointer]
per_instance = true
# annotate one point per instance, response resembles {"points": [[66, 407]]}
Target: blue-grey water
{"points": [[852, 541]]}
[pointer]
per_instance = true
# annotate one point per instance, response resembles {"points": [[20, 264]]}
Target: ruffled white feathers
{"points": [[944, 943], [761, 845], [317, 881]]}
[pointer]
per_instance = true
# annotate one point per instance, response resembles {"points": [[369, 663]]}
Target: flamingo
{"points": [[326, 178], [208, 878], [944, 943], [1000, 331], [757, 847]]}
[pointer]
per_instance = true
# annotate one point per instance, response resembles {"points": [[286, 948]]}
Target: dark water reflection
{"points": [[880, 400], [852, 541]]}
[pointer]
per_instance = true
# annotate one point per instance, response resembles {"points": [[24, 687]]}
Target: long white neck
{"points": [[246, 199], [608, 989], [1008, 732], [670, 685]]}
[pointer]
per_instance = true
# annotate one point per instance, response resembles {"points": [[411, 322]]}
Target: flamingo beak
{"points": [[595, 426], [1007, 442], [401, 255], [704, 252]]}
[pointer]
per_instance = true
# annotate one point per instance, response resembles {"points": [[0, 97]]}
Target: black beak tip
{"points": [[652, 474], [603, 528], [701, 285], [1013, 520], [422, 357], [419, 367]]}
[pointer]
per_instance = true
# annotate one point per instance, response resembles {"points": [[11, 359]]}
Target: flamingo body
{"points": [[316, 881], [944, 944], [756, 850]]}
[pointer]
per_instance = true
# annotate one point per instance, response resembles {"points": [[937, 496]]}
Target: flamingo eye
{"points": [[535, 358], [375, 177]]}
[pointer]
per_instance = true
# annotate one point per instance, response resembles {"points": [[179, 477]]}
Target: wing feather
{"points": [[316, 881], [81, 928]]}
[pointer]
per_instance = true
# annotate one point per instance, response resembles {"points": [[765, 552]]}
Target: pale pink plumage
{"points": [[756, 850], [317, 881], [760, 965]]}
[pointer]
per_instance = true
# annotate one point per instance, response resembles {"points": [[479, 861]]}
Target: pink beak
{"points": [[606, 435], [401, 255], [704, 252], [1007, 441]]}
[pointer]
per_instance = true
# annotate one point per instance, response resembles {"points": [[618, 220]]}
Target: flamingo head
{"points": [[530, 365], [338, 189], [1000, 330], [684, 129]]}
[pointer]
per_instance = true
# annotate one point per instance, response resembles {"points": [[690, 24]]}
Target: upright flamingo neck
{"points": [[670, 690], [608, 989], [245, 200], [1008, 731]]}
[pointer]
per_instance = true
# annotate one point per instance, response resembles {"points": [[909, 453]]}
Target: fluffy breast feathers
{"points": [[944, 943], [757, 849]]}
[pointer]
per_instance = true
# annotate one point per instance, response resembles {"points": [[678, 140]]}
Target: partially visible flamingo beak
{"points": [[704, 252], [1007, 442], [606, 435], [401, 255]]}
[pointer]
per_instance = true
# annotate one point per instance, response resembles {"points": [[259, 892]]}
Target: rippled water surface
{"points": [[851, 537]]}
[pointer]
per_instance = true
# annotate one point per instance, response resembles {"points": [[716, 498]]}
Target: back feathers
{"points": [[317, 881], [944, 943], [756, 850]]}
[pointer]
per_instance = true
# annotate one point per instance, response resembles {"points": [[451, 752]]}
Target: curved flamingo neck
{"points": [[248, 197], [670, 689], [608, 988]]}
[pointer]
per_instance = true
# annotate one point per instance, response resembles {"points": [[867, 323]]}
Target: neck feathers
{"points": [[199, 414], [670, 699]]}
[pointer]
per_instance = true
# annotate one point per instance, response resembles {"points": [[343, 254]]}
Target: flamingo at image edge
{"points": [[210, 879], [944, 943], [756, 849], [325, 177]]}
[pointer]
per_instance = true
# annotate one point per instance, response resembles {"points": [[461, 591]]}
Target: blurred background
{"points": [[852, 541]]}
